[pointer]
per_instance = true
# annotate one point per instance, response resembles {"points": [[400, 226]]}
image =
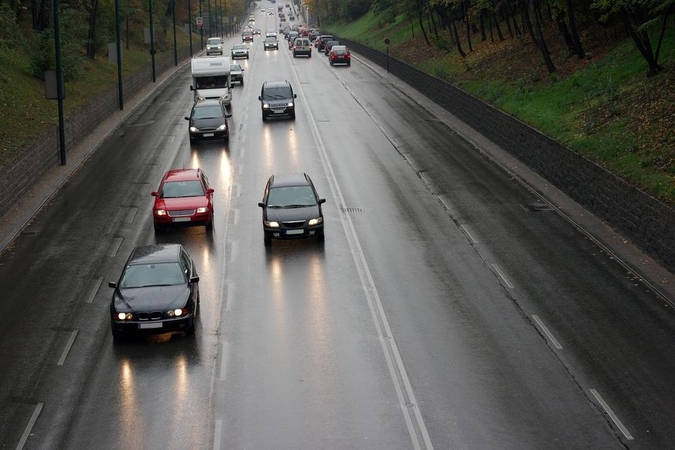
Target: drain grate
{"points": [[28, 233], [536, 207], [352, 210]]}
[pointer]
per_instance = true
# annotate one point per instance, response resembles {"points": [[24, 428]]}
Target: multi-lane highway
{"points": [[450, 306]]}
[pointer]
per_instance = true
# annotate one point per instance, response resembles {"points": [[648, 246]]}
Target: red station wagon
{"points": [[184, 198]]}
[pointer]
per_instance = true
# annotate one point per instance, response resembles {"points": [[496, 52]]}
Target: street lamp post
{"points": [[190, 25]]}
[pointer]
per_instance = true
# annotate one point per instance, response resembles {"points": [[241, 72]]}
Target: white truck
{"points": [[211, 78]]}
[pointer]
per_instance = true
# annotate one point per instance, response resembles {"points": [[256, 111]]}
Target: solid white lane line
{"points": [[611, 414], [217, 435], [29, 427], [547, 333], [464, 229], [229, 300], [94, 289], [407, 401], [502, 276], [115, 246], [69, 344]]}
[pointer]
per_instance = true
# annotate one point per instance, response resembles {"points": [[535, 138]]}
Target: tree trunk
{"points": [[540, 35], [642, 42], [562, 26], [456, 36], [421, 20], [483, 36], [499, 30], [40, 12], [468, 27], [578, 48], [91, 37]]}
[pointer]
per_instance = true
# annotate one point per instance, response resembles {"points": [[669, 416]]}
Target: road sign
{"points": [[199, 20]]}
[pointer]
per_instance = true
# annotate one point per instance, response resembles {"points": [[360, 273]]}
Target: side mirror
{"points": [[194, 280], [261, 204], [322, 200], [192, 88], [227, 116], [295, 95], [259, 97], [154, 193], [210, 191], [112, 284], [187, 118]]}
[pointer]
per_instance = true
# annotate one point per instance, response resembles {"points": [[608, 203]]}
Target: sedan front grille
{"points": [[183, 212], [152, 315], [294, 224]]}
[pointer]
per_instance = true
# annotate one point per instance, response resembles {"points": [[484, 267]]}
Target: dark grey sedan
{"points": [[158, 292], [291, 208]]}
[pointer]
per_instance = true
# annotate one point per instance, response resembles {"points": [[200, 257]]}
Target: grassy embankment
{"points": [[24, 111], [603, 107]]}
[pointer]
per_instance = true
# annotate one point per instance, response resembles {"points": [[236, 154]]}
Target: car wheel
{"points": [[264, 117], [158, 229], [321, 237], [190, 330], [349, 64], [209, 224], [294, 55], [268, 241], [293, 115], [118, 336], [242, 82], [331, 63]]}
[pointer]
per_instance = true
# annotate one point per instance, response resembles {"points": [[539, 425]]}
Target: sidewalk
{"points": [[14, 220]]}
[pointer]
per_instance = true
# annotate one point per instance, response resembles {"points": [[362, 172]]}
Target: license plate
{"points": [[181, 219], [208, 134], [150, 325], [295, 231]]}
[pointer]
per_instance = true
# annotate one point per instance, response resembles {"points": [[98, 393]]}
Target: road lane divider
{"points": [[548, 334], [464, 229], [611, 414], [69, 345], [499, 272], [29, 426], [115, 246], [94, 289]]}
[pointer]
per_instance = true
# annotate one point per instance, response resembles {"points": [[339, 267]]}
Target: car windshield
{"points": [[176, 189], [234, 68], [277, 93], [213, 41], [291, 197], [144, 275], [215, 82], [207, 112], [239, 47]]}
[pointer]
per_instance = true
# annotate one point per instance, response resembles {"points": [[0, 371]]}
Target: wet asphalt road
{"points": [[450, 306]]}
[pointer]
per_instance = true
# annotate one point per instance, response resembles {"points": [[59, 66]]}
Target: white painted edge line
{"points": [[397, 372], [94, 290], [29, 426], [611, 414], [66, 350], [547, 332], [115, 246], [502, 276], [217, 435], [424, 179], [232, 253], [235, 216], [441, 198], [464, 229]]}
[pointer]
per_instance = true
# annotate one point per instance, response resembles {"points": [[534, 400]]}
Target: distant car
{"points": [[291, 18], [290, 37], [184, 198], [214, 46], [237, 73], [328, 44], [320, 41], [157, 292], [247, 36], [239, 51], [291, 208], [302, 46], [208, 120], [271, 33], [339, 54], [277, 99], [271, 43], [256, 31]]}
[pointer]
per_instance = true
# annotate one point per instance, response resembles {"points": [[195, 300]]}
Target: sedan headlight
{"points": [[266, 105], [123, 316], [223, 127], [202, 210], [290, 104], [316, 221], [194, 130], [160, 212], [271, 224], [177, 312]]}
